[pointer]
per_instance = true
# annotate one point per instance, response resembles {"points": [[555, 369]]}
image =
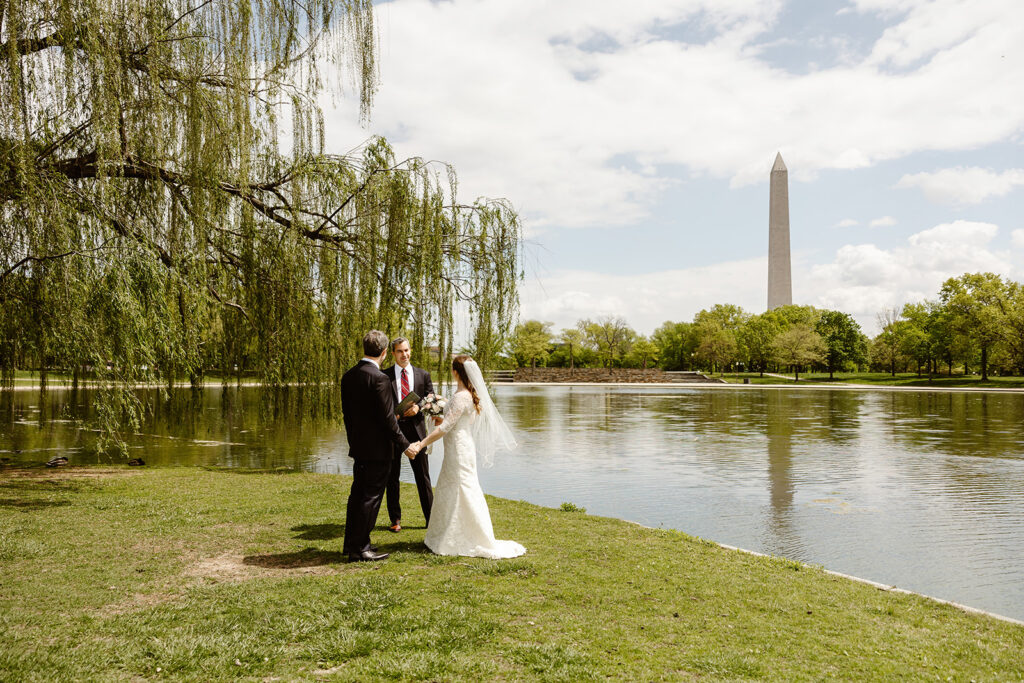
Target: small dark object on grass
{"points": [[570, 507], [135, 462], [59, 461]]}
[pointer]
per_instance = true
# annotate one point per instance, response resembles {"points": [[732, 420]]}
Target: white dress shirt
{"points": [[398, 376]]}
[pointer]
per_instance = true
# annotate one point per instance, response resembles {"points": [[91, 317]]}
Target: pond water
{"points": [[915, 489]]}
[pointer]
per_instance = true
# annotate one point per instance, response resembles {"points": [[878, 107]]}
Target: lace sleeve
{"points": [[456, 407]]}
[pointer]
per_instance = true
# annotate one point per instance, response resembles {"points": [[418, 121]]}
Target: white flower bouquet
{"points": [[433, 405]]}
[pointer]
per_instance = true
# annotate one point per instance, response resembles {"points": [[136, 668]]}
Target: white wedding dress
{"points": [[460, 523]]}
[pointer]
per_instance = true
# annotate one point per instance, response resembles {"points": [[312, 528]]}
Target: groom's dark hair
{"points": [[374, 343]]}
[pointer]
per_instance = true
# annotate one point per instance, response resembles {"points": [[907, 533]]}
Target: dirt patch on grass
{"points": [[236, 567]]}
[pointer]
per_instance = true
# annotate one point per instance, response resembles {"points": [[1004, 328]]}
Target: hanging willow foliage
{"points": [[167, 206]]}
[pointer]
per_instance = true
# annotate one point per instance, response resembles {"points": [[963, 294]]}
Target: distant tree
{"points": [[728, 316], [610, 337], [675, 344], [1014, 325], [842, 338], [574, 339], [791, 315], [531, 341], [799, 346], [644, 351], [716, 345], [885, 348], [975, 303], [756, 337], [919, 334]]}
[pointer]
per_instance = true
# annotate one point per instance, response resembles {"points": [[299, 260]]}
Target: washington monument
{"points": [[780, 286]]}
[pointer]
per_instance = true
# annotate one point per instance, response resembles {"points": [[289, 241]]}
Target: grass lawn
{"points": [[881, 379], [191, 574]]}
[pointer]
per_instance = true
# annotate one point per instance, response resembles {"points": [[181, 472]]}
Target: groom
{"points": [[368, 406], [405, 378]]}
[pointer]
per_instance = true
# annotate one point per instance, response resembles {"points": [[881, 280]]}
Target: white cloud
{"points": [[847, 223], [644, 300], [861, 279], [1017, 238], [964, 185], [566, 107], [883, 222], [864, 279]]}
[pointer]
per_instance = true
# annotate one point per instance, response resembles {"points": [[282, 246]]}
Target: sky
{"points": [[635, 139]]}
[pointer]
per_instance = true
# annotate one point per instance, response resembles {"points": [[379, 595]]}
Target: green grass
{"points": [[200, 575], [880, 379]]}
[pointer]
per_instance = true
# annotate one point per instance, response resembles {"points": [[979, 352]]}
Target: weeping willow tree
{"points": [[167, 206]]}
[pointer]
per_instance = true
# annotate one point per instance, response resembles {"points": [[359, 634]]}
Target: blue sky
{"points": [[636, 141]]}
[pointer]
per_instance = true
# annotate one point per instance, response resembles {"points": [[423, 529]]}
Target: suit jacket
{"points": [[368, 407], [415, 426]]}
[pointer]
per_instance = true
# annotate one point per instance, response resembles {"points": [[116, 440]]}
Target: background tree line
{"points": [[975, 324]]}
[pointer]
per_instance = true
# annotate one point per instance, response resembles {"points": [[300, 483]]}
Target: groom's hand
{"points": [[413, 449]]}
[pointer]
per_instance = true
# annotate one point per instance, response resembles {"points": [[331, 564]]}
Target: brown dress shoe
{"points": [[396, 527]]}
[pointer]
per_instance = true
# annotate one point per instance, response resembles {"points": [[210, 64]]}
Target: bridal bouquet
{"points": [[433, 405]]}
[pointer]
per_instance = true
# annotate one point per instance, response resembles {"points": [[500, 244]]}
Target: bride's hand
{"points": [[438, 420]]}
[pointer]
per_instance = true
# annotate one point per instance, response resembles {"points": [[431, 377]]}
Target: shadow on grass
{"points": [[307, 557], [32, 504], [319, 532], [40, 483], [414, 547]]}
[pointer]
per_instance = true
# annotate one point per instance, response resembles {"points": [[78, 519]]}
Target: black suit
{"points": [[414, 428], [368, 405]]}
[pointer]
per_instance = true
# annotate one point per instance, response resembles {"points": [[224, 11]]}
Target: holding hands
{"points": [[413, 449]]}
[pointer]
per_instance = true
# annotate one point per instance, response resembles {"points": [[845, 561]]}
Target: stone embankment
{"points": [[609, 375]]}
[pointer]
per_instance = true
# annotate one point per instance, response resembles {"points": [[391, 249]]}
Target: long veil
{"points": [[489, 430]]}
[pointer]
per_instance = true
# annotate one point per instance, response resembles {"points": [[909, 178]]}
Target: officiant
{"points": [[405, 379]]}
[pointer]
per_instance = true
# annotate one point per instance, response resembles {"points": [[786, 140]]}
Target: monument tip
{"points": [[779, 164]]}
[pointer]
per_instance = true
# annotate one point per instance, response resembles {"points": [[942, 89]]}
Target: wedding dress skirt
{"points": [[460, 523]]}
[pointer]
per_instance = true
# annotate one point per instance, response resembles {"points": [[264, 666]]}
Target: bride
{"points": [[460, 523]]}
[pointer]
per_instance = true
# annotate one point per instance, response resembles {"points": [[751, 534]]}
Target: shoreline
{"points": [[632, 385], [729, 385], [881, 586]]}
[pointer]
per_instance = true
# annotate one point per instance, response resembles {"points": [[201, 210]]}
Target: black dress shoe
{"points": [[367, 556], [344, 551]]}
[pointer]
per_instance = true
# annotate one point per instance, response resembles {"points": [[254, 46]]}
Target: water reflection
{"points": [[920, 490]]}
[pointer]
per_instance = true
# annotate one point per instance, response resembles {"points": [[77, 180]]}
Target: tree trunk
{"points": [[796, 373], [984, 363]]}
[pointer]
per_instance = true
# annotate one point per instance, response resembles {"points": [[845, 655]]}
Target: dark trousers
{"points": [[369, 479], [421, 472]]}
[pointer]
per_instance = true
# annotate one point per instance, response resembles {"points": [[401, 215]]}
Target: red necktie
{"points": [[405, 384]]}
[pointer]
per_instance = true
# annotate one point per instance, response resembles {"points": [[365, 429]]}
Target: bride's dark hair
{"points": [[459, 366]]}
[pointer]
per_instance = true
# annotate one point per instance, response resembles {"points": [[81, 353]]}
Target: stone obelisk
{"points": [[780, 286]]}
